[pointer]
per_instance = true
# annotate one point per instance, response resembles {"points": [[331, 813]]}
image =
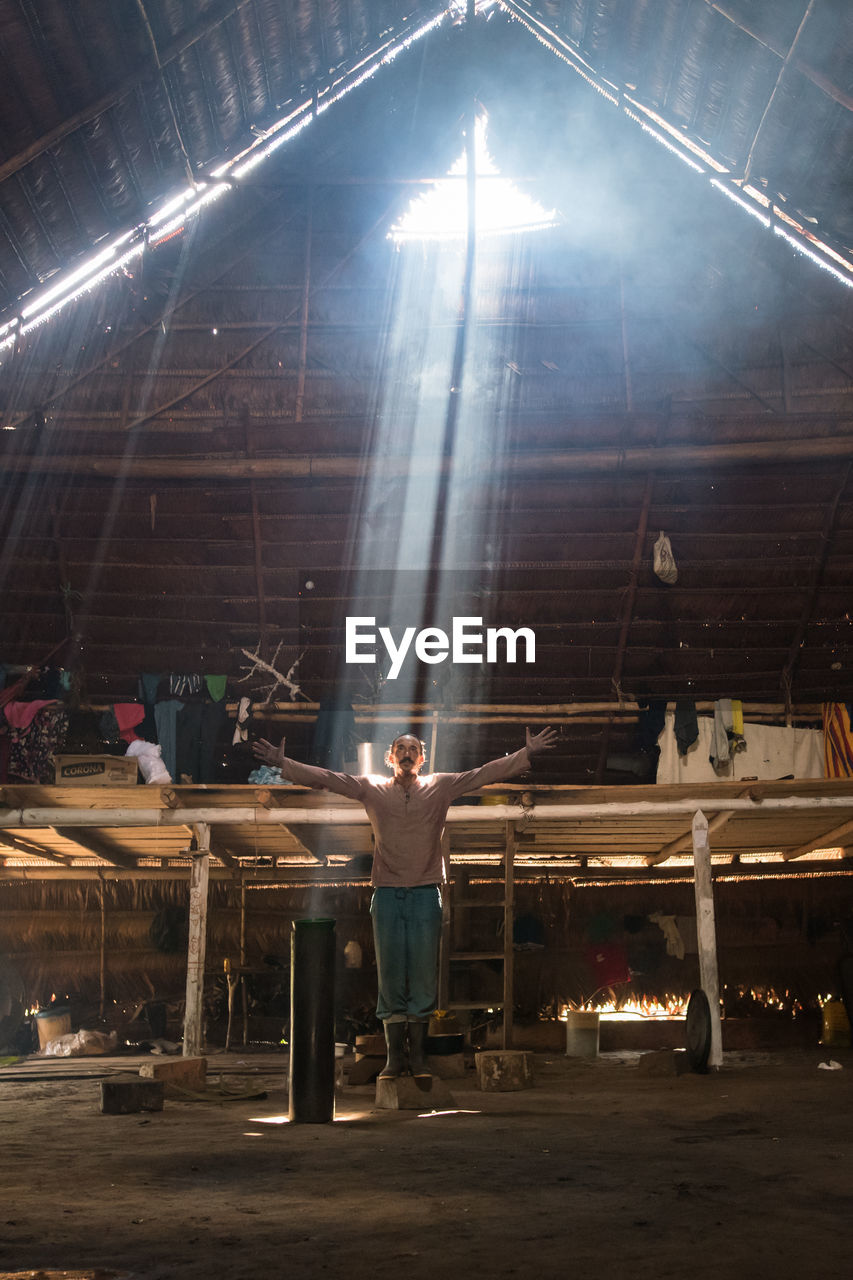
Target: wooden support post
{"points": [[102, 954], [706, 933], [243, 993], [509, 920], [193, 1013], [445, 944]]}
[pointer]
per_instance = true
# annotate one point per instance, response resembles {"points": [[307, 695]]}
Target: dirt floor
{"points": [[599, 1170]]}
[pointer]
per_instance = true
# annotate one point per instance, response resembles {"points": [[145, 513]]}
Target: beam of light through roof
{"points": [[441, 213]]}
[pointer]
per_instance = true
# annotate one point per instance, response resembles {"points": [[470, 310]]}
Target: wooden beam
{"points": [[337, 467], [217, 848], [561, 806], [102, 950], [31, 849], [94, 843], [768, 41], [509, 920], [786, 63], [579, 875], [827, 840], [685, 841], [197, 944], [243, 233], [703, 888]]}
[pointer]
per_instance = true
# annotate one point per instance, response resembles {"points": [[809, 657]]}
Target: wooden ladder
{"points": [[454, 931]]}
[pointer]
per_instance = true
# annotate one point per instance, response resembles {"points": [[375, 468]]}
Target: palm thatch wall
{"points": [[779, 940]]}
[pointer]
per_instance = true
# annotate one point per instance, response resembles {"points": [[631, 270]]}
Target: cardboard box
{"points": [[96, 771]]}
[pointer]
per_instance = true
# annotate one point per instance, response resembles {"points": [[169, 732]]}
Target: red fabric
{"points": [[609, 963], [128, 714], [20, 715]]}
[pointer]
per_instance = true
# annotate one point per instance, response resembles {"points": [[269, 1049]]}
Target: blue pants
{"points": [[406, 933]]}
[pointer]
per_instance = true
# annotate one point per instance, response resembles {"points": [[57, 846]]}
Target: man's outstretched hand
{"points": [[539, 742], [268, 753]]}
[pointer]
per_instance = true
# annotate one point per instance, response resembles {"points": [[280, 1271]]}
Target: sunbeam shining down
{"points": [[442, 212]]}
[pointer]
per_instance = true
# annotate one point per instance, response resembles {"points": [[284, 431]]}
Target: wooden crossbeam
{"points": [[88, 839], [33, 850], [826, 840]]}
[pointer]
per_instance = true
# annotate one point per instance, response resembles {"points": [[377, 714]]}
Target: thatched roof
{"points": [[267, 400]]}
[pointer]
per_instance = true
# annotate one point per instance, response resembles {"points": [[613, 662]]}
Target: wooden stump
{"points": [[407, 1093], [177, 1074], [125, 1095], [502, 1070]]}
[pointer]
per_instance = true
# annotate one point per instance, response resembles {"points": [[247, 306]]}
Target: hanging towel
{"points": [[241, 733], [668, 926], [128, 715], [686, 724], [837, 740], [20, 715], [720, 753], [216, 687]]}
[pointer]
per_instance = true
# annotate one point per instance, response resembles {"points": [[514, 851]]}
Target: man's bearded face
{"points": [[406, 755]]}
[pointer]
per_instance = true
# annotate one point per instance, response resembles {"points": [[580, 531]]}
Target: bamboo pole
{"points": [[703, 889], [344, 815], [547, 461], [102, 956], [196, 946], [243, 993], [509, 950], [826, 840]]}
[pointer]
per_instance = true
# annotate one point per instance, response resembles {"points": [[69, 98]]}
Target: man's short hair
{"points": [[405, 733]]}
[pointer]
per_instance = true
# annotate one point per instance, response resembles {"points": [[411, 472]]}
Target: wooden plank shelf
{"points": [[476, 955], [474, 1004]]}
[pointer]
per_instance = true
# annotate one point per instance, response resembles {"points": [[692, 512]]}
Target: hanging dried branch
{"points": [[260, 666]]}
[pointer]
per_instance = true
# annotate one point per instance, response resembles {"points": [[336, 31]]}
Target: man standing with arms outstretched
{"points": [[407, 813]]}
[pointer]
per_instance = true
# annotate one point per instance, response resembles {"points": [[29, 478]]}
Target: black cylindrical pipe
{"points": [[312, 1021]]}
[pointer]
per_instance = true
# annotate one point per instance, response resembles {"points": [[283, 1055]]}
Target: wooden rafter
{"points": [[30, 848], [680, 843], [223, 262], [823, 82], [775, 452], [88, 839], [826, 840]]}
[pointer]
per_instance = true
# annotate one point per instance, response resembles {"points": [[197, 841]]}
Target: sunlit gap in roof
{"points": [[441, 213]]}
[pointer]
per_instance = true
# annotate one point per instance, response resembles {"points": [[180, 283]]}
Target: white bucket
{"points": [[51, 1026], [582, 1034]]}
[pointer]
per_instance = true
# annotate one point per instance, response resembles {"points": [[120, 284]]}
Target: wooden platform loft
{"points": [[293, 834]]}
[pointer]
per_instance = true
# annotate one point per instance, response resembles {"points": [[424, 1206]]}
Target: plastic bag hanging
{"points": [[663, 561]]}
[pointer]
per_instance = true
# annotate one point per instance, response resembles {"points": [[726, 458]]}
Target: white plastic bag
{"points": [[663, 561], [81, 1044], [150, 760]]}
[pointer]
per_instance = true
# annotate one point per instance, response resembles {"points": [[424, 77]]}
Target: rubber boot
{"points": [[395, 1034], [417, 1050]]}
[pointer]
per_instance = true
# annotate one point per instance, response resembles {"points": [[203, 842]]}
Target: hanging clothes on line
{"points": [[772, 751]]}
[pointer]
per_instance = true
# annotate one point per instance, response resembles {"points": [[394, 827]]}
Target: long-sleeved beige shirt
{"points": [[407, 824]]}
